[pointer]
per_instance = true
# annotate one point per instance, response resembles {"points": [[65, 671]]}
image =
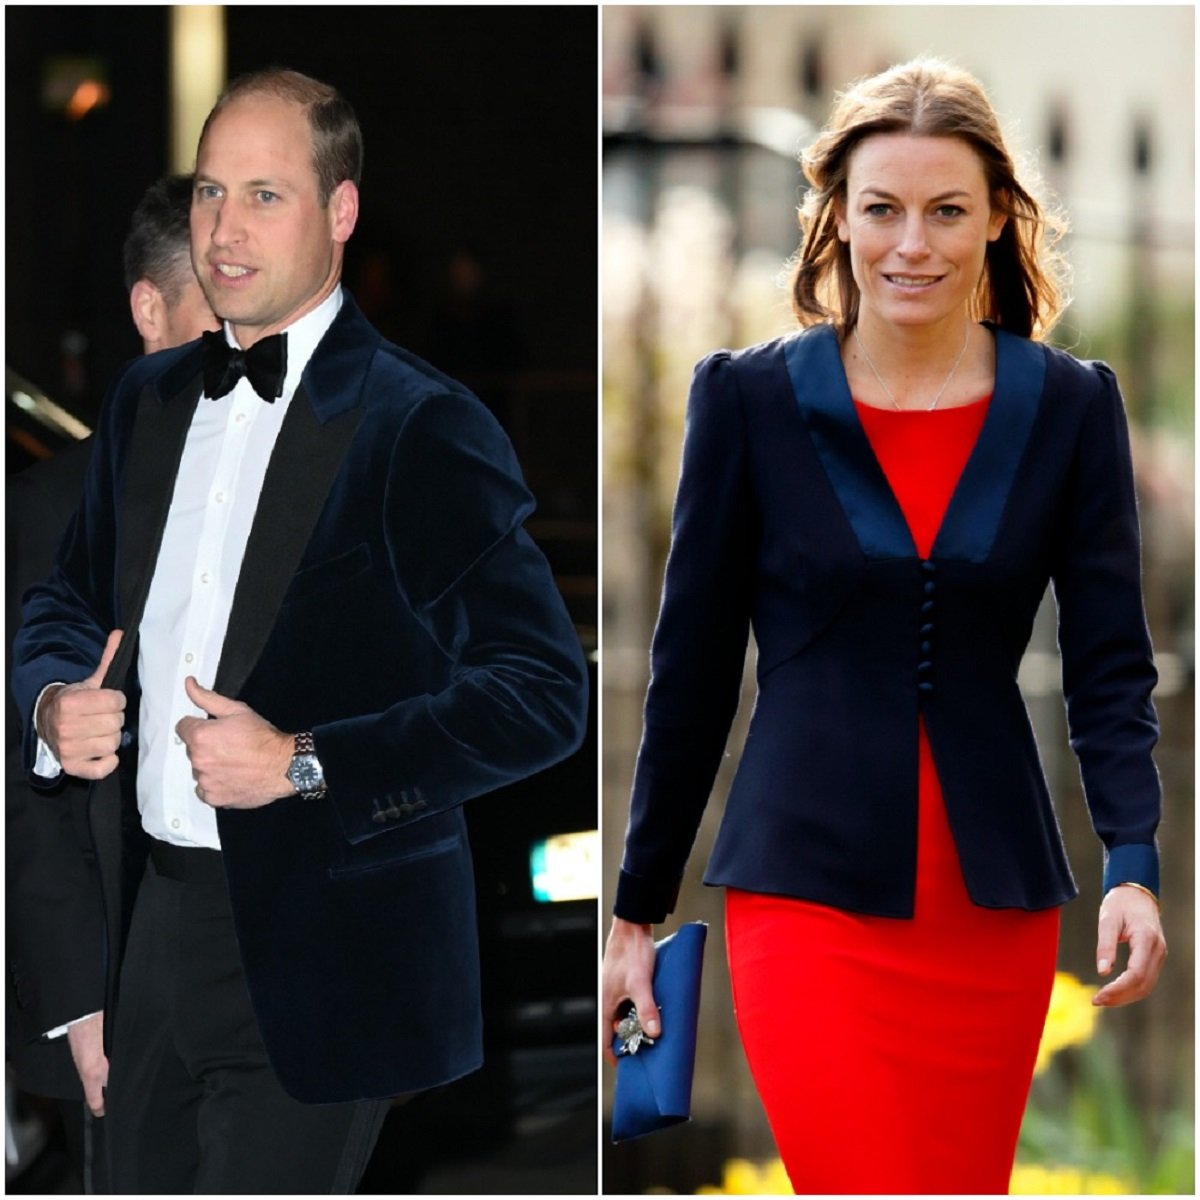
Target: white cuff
{"points": [[62, 1029], [46, 764]]}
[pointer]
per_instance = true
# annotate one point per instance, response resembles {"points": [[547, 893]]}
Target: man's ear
{"points": [[149, 311], [343, 210]]}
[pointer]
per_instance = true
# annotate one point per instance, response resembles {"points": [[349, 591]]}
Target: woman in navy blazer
{"points": [[889, 832]]}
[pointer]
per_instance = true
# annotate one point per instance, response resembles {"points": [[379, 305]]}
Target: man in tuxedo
{"points": [[296, 624], [54, 921]]}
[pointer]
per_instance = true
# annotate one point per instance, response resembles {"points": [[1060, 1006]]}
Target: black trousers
{"points": [[193, 1105], [85, 1136]]}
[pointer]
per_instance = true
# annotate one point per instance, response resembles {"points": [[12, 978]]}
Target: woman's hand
{"points": [[1128, 914], [627, 975]]}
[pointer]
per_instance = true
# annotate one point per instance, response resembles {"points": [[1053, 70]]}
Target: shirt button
{"points": [[189, 657], [204, 577], [175, 823], [240, 418], [220, 497], [178, 740]]}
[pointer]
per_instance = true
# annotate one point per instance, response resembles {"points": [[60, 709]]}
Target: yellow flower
{"points": [[776, 1180], [1070, 1021], [1037, 1180], [744, 1178]]}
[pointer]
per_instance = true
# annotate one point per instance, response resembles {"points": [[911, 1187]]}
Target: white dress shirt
{"points": [[187, 610]]}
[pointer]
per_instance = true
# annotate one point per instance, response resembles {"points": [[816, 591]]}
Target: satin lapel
{"points": [[973, 515], [818, 379], [152, 462], [303, 465]]}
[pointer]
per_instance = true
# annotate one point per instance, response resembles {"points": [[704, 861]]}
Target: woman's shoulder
{"points": [[1076, 386], [1061, 365], [1085, 370], [766, 357]]}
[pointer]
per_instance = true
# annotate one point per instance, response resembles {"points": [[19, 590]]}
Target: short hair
{"points": [[1023, 287], [337, 142], [158, 245]]}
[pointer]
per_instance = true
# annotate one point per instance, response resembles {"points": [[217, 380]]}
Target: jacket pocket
{"points": [[411, 844]]}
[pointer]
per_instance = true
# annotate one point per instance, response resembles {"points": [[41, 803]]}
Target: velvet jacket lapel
{"points": [[316, 433], [156, 446], [819, 382], [305, 460]]}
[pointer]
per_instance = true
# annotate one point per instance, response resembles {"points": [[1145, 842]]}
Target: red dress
{"points": [[895, 1056]]}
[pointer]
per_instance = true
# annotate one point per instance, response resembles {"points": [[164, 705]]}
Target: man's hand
{"points": [[82, 722], [238, 759], [626, 975], [1127, 914], [86, 1039]]}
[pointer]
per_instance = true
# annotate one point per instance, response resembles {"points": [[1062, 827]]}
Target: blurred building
{"points": [[704, 112]]}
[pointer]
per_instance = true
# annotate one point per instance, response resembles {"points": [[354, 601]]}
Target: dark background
{"points": [[481, 137]]}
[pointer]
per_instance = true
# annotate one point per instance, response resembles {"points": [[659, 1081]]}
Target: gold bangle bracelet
{"points": [[1141, 888]]}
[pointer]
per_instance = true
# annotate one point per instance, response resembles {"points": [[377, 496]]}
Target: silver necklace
{"points": [[888, 390]]}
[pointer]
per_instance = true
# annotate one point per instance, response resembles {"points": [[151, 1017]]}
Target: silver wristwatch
{"points": [[305, 773]]}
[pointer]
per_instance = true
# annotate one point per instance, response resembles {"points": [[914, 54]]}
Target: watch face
{"points": [[305, 773]]}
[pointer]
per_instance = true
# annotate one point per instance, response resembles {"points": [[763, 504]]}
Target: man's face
{"points": [[263, 248]]}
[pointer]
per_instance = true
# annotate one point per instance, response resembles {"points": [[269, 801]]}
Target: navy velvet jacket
{"points": [[784, 521], [389, 601]]}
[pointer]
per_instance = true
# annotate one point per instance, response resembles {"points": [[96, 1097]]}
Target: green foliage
{"points": [[1080, 1112], [1152, 348]]}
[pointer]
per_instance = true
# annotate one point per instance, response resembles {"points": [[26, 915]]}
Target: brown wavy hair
{"points": [[1023, 285]]}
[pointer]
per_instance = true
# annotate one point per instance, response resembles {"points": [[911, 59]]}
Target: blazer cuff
{"points": [[1134, 863], [644, 901]]}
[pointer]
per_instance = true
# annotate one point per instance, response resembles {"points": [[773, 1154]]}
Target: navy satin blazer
{"points": [[784, 521], [390, 601]]}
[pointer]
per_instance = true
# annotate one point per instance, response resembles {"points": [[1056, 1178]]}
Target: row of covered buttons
{"points": [[394, 812], [925, 664]]}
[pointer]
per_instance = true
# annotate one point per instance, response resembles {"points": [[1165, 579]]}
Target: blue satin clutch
{"points": [[654, 1079]]}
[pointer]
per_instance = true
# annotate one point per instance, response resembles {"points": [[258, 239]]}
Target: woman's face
{"points": [[917, 219]]}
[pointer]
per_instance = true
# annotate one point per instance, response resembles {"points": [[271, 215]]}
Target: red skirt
{"points": [[894, 1056]]}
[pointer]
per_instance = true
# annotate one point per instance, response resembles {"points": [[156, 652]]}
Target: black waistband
{"points": [[187, 864]]}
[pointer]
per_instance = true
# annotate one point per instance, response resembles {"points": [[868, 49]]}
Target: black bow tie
{"points": [[264, 364]]}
